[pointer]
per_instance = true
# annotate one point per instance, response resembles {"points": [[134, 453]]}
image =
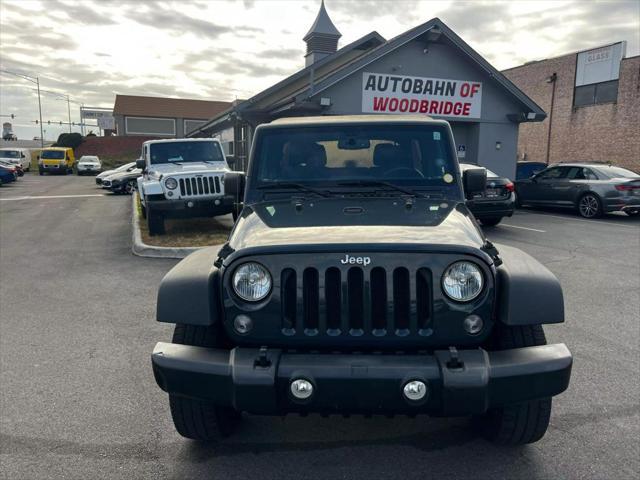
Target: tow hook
{"points": [[262, 361], [454, 362]]}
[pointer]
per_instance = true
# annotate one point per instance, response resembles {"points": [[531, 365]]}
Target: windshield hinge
{"points": [[223, 253]]}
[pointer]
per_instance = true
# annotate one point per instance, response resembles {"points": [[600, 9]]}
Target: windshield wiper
{"points": [[379, 183], [297, 186]]}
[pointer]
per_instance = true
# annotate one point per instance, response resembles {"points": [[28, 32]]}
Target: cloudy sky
{"points": [[222, 50]]}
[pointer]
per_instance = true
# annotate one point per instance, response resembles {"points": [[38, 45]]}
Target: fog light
{"points": [[217, 202], [242, 324], [415, 390], [190, 204], [301, 389], [473, 324], [170, 193]]}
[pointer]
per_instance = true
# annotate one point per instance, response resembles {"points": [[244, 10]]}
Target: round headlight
{"points": [[462, 281], [251, 282], [171, 183]]}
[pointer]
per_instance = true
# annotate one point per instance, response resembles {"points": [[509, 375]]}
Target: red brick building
{"points": [[591, 116]]}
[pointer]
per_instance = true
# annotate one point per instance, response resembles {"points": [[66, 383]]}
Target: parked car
{"points": [[18, 156], [7, 174], [495, 202], [16, 166], [356, 282], [56, 160], [123, 168], [589, 188], [529, 169], [122, 182], [182, 178], [88, 164]]}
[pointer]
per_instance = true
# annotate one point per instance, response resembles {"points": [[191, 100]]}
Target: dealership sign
{"points": [[436, 97]]}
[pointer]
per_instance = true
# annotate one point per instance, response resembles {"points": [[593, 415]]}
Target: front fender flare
{"points": [[188, 293], [528, 293]]}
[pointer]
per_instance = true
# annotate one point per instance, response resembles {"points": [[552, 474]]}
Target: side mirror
{"points": [[474, 181], [140, 163], [234, 184]]}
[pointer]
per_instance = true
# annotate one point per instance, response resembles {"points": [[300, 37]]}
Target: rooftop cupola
{"points": [[322, 38]]}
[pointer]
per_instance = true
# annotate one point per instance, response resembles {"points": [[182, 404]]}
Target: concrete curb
{"points": [[141, 249]]}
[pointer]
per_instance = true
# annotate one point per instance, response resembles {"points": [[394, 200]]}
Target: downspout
{"points": [[551, 79]]}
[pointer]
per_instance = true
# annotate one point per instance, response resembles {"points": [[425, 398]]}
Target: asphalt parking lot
{"points": [[78, 399]]}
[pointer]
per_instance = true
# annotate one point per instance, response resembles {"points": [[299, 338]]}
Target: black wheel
{"points": [[491, 222], [129, 187], [198, 419], [155, 222], [518, 202], [589, 206], [521, 423], [40, 171]]}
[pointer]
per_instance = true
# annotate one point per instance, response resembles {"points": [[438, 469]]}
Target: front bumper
{"points": [[247, 380], [184, 207]]}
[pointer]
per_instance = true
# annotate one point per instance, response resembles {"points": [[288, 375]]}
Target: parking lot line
{"points": [[44, 197], [581, 220], [523, 228]]}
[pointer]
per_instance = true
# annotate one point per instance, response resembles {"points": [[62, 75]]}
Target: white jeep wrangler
{"points": [[182, 178]]}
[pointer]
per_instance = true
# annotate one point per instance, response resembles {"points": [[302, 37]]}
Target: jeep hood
{"points": [[187, 167], [364, 222]]}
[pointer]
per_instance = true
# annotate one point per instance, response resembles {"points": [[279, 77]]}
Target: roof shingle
{"points": [[168, 107]]}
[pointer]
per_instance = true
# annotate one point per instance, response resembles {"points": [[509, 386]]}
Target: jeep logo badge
{"points": [[349, 260]]}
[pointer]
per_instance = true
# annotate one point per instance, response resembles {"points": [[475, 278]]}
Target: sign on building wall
{"points": [[436, 97], [600, 64]]}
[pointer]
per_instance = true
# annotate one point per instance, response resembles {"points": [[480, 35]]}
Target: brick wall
{"points": [[605, 132], [125, 148]]}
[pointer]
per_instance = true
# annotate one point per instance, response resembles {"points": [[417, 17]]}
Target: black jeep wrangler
{"points": [[356, 281]]}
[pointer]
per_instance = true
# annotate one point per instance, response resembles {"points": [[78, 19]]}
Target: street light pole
{"points": [[40, 112]]}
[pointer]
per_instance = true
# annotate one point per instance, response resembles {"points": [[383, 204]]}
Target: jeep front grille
{"points": [[200, 185], [355, 301]]}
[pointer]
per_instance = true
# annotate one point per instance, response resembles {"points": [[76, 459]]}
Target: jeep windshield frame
{"points": [[390, 158], [181, 152]]}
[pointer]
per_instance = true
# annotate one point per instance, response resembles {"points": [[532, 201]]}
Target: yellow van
{"points": [[56, 159]]}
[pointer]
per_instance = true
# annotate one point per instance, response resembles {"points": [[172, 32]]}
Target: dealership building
{"points": [[426, 70], [162, 117], [592, 99]]}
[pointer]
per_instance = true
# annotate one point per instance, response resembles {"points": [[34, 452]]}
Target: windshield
{"points": [[52, 155], [402, 154], [124, 167], [10, 154], [89, 159], [618, 172], [182, 152]]}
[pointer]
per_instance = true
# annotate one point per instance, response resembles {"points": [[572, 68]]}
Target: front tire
{"points": [[129, 187], [524, 422], [199, 419], [491, 222], [589, 206]]}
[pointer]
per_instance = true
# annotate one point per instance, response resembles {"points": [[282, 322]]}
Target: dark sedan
{"points": [[122, 182], [590, 188], [496, 202]]}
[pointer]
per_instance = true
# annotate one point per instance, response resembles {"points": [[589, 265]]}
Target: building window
{"points": [[150, 126], [604, 92], [191, 125]]}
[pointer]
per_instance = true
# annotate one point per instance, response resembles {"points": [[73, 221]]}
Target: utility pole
{"points": [[69, 112]]}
